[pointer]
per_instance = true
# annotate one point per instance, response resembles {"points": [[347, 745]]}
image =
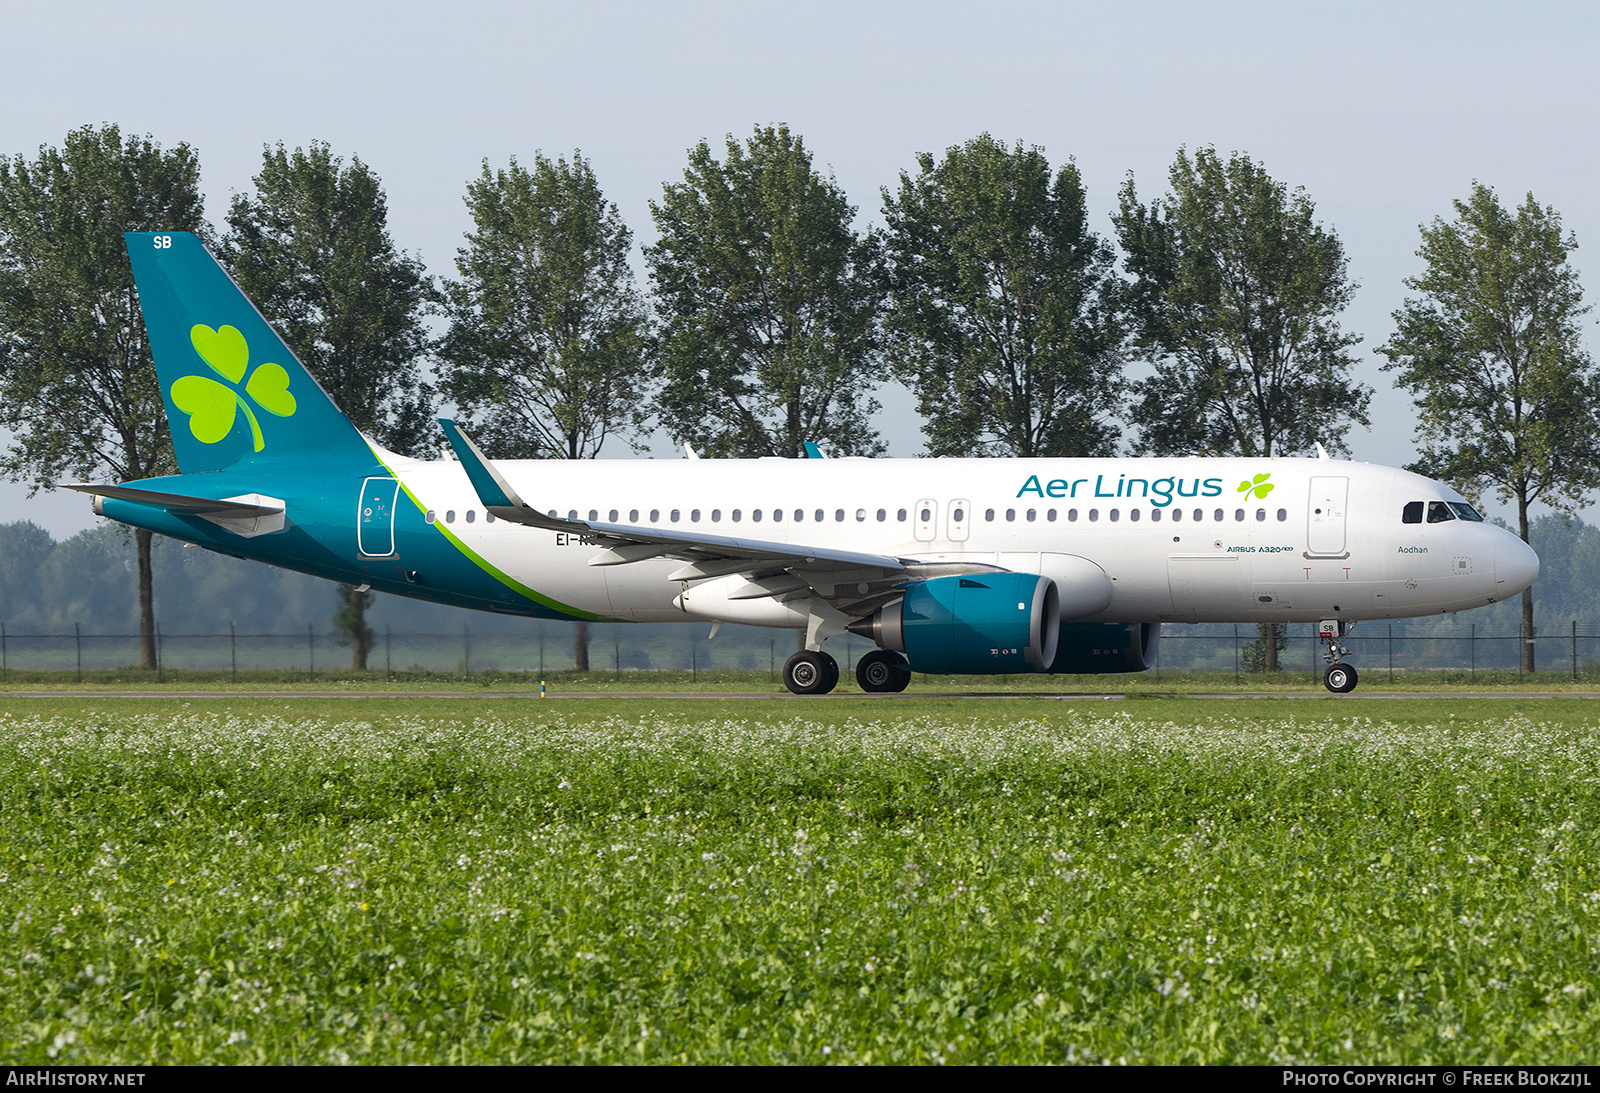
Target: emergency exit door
{"points": [[375, 517]]}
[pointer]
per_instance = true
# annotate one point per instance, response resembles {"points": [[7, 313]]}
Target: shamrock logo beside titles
{"points": [[211, 406], [1257, 487]]}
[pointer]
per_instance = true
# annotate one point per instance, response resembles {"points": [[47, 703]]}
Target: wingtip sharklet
{"points": [[498, 495]]}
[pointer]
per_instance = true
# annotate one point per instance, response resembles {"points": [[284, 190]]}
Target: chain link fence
{"points": [[619, 648]]}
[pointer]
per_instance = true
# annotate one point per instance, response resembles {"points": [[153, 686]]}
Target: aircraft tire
{"points": [[1340, 678], [808, 673], [882, 672]]}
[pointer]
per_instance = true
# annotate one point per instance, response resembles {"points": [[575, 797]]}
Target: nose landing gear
{"points": [[1339, 677]]}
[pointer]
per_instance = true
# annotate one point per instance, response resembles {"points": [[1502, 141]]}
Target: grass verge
{"points": [[272, 880]]}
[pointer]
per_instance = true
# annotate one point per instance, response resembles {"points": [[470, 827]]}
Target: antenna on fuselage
{"points": [[1322, 453]]}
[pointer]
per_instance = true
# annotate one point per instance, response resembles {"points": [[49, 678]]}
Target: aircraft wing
{"points": [[853, 582]]}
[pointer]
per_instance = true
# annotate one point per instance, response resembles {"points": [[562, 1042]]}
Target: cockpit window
{"points": [[1412, 513], [1439, 512], [1466, 511]]}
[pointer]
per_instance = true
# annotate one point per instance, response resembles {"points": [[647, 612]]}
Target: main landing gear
{"points": [[1339, 677], [882, 671], [816, 673], [811, 673]]}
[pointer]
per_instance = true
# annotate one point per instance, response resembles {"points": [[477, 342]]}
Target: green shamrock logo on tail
{"points": [[1257, 487], [211, 406]]}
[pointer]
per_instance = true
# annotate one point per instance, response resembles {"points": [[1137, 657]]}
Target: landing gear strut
{"points": [[1339, 677], [882, 671], [811, 673]]}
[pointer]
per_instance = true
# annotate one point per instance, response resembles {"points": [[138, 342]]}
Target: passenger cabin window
{"points": [[429, 518], [450, 516], [471, 515]]}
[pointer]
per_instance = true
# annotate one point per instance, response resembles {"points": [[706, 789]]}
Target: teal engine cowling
{"points": [[989, 624], [1091, 648]]}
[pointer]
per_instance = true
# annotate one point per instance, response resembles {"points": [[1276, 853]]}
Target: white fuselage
{"points": [[1177, 538]]}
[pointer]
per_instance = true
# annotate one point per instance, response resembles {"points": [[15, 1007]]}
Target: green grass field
{"points": [[937, 880]]}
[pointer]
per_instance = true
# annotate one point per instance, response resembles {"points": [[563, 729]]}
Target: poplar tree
{"points": [[770, 304], [1492, 351], [78, 386], [1005, 306], [1235, 304], [548, 348], [312, 249]]}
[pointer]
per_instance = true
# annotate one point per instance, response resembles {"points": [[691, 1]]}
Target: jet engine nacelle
{"points": [[988, 624], [1089, 648]]}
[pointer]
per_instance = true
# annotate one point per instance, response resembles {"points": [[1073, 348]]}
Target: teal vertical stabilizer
{"points": [[234, 392]]}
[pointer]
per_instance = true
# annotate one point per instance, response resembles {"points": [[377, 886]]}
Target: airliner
{"points": [[970, 566]]}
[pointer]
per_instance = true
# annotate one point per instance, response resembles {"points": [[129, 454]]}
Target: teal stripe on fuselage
{"points": [[320, 538]]}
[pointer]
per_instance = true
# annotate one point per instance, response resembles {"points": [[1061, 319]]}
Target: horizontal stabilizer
{"points": [[179, 503]]}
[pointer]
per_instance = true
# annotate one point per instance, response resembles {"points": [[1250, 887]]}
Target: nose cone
{"points": [[1516, 567]]}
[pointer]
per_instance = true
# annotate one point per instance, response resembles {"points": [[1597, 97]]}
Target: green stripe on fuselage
{"points": [[493, 570]]}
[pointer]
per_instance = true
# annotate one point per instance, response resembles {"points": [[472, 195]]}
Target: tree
{"points": [[1492, 352], [1235, 303], [312, 249], [548, 337], [78, 387], [770, 302], [1005, 306]]}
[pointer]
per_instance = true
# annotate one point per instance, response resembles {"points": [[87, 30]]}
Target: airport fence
{"points": [[621, 648]]}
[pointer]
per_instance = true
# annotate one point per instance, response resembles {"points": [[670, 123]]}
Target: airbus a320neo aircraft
{"points": [[950, 565]]}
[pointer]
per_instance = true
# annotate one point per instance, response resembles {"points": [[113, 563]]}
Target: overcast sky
{"points": [[1383, 112]]}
